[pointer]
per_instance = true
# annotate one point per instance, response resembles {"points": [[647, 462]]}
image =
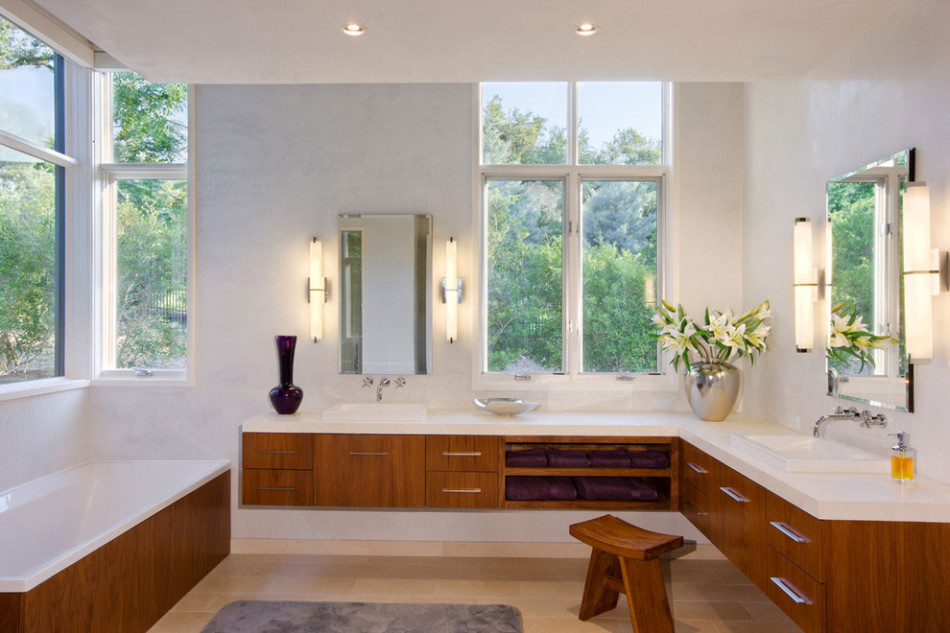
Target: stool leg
{"points": [[646, 596], [598, 598]]}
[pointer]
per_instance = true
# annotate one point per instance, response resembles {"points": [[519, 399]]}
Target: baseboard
{"points": [[448, 549]]}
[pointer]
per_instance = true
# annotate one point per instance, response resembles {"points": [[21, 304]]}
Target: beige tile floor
{"points": [[707, 596]]}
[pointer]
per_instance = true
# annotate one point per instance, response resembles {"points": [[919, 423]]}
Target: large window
{"points": [[32, 180], [145, 226], [573, 179]]}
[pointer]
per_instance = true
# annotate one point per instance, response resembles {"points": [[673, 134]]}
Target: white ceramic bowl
{"points": [[505, 406]]}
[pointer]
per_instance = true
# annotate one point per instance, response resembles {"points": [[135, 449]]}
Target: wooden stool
{"points": [[625, 560]]}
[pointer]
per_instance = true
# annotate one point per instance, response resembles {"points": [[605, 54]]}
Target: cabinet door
{"points": [[738, 516], [370, 471]]}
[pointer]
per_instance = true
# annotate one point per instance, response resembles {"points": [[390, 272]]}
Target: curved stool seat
{"points": [[625, 559]]}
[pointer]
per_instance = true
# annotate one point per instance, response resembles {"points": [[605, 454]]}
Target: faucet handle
{"points": [[400, 382], [367, 381]]}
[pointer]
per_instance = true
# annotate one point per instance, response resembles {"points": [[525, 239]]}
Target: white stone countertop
{"points": [[856, 497]]}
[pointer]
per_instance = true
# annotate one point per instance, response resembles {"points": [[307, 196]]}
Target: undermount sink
{"points": [[376, 412], [801, 453]]}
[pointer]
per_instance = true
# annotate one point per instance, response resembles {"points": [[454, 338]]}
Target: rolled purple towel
{"points": [[649, 459], [527, 458], [567, 459], [617, 458], [615, 489], [642, 491], [540, 489]]}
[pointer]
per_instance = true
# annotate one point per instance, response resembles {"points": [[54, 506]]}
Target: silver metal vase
{"points": [[712, 389]]}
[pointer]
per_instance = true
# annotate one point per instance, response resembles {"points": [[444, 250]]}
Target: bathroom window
{"points": [[145, 225], [572, 208], [32, 206]]}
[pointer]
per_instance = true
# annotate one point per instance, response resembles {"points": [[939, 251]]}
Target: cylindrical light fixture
{"points": [[451, 287], [805, 283], [317, 290], [921, 272]]}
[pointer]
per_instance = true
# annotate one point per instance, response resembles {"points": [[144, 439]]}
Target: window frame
{"points": [[107, 175], [574, 175], [64, 160]]}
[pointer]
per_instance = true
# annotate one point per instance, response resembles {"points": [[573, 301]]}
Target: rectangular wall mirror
{"points": [[865, 285], [385, 294]]}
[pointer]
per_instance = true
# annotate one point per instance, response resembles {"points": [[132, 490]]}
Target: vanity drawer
{"points": [[461, 453], [277, 487], [285, 451], [798, 594], [695, 506], [795, 534], [697, 467], [462, 490], [370, 471]]}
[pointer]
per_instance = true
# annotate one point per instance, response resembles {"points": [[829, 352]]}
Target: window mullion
{"points": [[572, 277]]}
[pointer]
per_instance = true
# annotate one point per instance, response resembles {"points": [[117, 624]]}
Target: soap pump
{"points": [[902, 458]]}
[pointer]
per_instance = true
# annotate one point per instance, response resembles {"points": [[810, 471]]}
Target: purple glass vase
{"points": [[286, 397]]}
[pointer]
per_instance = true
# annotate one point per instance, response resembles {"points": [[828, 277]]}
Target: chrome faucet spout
{"points": [[866, 419], [383, 382]]}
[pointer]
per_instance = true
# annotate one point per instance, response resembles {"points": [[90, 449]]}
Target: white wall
{"points": [[42, 434], [886, 91], [277, 164]]}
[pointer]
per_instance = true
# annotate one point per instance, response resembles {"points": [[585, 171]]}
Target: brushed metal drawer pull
{"points": [[278, 452], [791, 590], [273, 488], [695, 509], [733, 494], [447, 454], [468, 490], [369, 454], [789, 531], [697, 468]]}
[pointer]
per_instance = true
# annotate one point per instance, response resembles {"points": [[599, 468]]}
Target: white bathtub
{"points": [[52, 522]]}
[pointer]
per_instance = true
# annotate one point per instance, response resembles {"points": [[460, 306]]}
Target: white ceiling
{"points": [[296, 41]]}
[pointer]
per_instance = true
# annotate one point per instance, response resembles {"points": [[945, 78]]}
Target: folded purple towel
{"points": [[567, 459], [615, 489], [617, 458], [540, 489], [527, 458], [649, 459]]}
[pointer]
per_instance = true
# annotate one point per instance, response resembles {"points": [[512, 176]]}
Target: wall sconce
{"points": [[451, 291], [316, 290], [805, 283], [923, 272]]}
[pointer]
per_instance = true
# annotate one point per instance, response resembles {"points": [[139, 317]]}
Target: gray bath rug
{"points": [[259, 616]]}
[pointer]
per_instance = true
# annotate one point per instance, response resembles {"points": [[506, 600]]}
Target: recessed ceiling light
{"points": [[586, 29], [353, 29]]}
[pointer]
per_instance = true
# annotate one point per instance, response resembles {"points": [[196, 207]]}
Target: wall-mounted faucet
{"points": [[866, 419], [383, 382]]}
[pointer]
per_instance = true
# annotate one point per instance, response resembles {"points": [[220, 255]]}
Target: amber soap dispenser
{"points": [[902, 458]]}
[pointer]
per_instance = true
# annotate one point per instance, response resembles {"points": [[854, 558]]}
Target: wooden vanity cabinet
{"points": [[828, 576], [369, 471]]}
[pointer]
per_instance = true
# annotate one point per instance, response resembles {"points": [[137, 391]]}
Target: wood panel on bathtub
{"points": [[129, 583], [10, 612]]}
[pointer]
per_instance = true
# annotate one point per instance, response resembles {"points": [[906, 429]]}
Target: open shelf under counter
{"points": [[665, 480]]}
